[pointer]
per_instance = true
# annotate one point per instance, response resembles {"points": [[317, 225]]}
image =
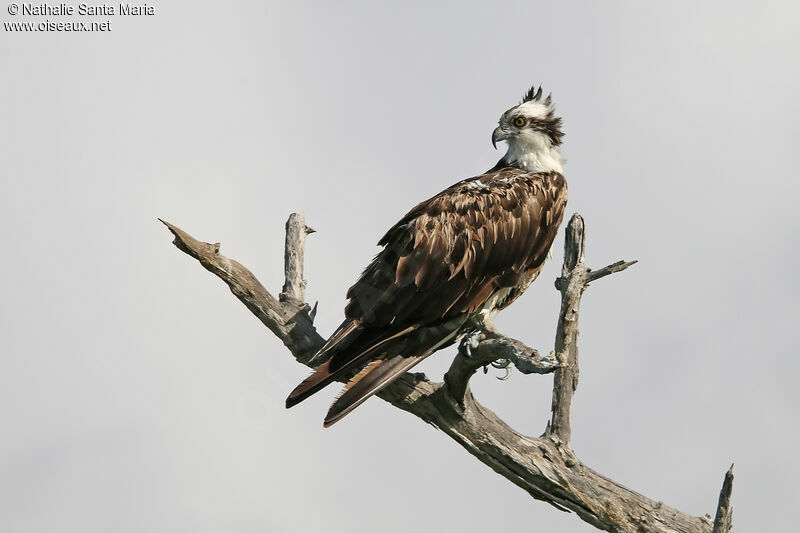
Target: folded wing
{"points": [[439, 265]]}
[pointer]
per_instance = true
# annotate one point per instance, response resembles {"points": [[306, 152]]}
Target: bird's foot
{"points": [[489, 331], [470, 342], [473, 339]]}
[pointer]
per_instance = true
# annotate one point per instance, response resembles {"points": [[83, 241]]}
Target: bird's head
{"points": [[532, 132]]}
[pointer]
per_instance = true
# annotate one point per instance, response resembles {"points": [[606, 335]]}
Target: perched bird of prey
{"points": [[451, 263]]}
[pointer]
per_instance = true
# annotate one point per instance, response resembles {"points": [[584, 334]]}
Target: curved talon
{"points": [[505, 364]]}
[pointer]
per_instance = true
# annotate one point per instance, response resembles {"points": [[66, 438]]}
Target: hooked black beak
{"points": [[497, 135]]}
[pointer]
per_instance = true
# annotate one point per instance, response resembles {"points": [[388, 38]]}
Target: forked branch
{"points": [[545, 467]]}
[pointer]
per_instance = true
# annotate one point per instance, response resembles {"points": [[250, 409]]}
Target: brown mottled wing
{"points": [[450, 253], [440, 263]]}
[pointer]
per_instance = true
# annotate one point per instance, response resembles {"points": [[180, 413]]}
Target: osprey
{"points": [[451, 263]]}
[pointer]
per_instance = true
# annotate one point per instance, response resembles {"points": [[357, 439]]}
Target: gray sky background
{"points": [[136, 393]]}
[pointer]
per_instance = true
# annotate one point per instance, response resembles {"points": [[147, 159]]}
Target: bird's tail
{"points": [[388, 356], [374, 377], [381, 372], [348, 348]]}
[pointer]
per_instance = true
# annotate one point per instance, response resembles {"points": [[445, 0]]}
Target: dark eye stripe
{"points": [[550, 127]]}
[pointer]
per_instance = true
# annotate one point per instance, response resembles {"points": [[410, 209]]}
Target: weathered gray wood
{"points": [[545, 467], [575, 278], [525, 359], [287, 320], [723, 522], [294, 286]]}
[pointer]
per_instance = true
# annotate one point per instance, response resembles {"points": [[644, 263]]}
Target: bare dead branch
{"points": [[294, 285], [544, 467], [525, 359], [575, 277], [571, 284], [723, 523], [619, 266], [287, 320]]}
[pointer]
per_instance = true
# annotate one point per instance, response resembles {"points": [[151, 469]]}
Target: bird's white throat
{"points": [[533, 152]]}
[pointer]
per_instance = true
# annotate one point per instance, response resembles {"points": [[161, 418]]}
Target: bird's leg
{"points": [[484, 329], [489, 331], [488, 328], [470, 342], [481, 328]]}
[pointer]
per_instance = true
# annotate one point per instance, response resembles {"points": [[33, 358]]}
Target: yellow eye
{"points": [[519, 122]]}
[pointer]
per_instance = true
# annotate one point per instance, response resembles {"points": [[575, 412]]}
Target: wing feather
{"points": [[475, 231]]}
